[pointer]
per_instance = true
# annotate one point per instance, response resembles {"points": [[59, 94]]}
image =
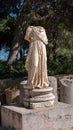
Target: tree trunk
{"points": [[54, 50], [17, 41], [21, 54]]}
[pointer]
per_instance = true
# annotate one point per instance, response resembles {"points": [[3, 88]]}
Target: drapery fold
{"points": [[36, 61]]}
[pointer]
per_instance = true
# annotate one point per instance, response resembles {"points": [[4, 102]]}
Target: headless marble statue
{"points": [[36, 60]]}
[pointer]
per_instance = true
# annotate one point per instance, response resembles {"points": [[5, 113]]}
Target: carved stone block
{"points": [[36, 98], [56, 117]]}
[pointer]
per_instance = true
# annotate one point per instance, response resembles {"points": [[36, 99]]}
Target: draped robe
{"points": [[36, 60]]}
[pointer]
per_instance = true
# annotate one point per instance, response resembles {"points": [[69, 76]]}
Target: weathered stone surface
{"points": [[36, 98], [39, 104], [7, 84], [40, 98], [56, 117], [14, 83], [53, 84], [67, 82], [59, 77], [66, 91], [11, 83], [12, 95], [68, 129]]}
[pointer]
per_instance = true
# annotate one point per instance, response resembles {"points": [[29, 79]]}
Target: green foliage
{"points": [[56, 16], [7, 28], [3, 26], [63, 64], [18, 71], [9, 7], [9, 13]]}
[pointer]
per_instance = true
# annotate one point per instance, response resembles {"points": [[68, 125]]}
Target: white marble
{"points": [[36, 92], [36, 60], [36, 97]]}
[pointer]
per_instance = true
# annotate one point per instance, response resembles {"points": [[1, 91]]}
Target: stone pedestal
{"points": [[53, 84], [66, 91], [56, 117], [36, 98]]}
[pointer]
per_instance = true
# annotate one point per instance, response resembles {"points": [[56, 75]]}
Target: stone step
{"points": [[56, 117]]}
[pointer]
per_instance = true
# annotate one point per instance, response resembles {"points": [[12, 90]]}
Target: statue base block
{"points": [[36, 98], [56, 117], [38, 104]]}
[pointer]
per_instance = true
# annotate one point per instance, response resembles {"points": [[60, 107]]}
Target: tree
{"points": [[18, 38], [55, 15], [9, 13]]}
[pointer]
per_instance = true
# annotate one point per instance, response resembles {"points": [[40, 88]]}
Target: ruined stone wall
{"points": [[14, 84], [8, 84], [59, 77]]}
